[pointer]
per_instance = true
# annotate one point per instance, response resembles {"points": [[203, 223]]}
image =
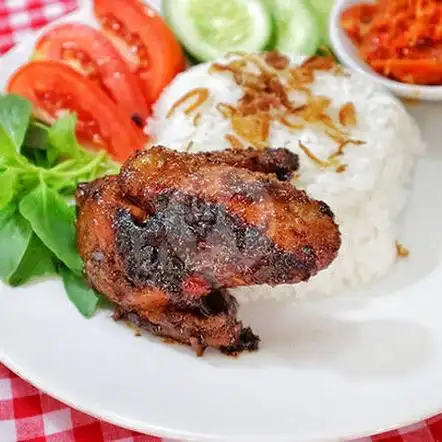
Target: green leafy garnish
{"points": [[15, 235], [52, 220], [40, 168], [84, 298], [37, 261], [36, 137], [62, 135], [15, 113], [8, 184]]}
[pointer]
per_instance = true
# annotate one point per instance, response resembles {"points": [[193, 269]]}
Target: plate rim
{"points": [[153, 430]]}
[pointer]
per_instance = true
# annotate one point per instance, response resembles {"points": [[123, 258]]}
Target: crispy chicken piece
{"points": [[240, 226], [168, 236], [280, 161], [148, 305]]}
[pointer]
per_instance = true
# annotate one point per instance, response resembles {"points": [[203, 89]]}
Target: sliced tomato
{"points": [[146, 41], [53, 87], [93, 55]]}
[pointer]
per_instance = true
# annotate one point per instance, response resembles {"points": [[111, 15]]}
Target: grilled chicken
{"points": [[280, 162], [151, 303], [166, 238]]}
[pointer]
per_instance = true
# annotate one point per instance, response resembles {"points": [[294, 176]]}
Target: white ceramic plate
{"points": [[333, 369]]}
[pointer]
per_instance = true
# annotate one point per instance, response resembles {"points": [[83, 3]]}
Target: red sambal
{"points": [[400, 39]]}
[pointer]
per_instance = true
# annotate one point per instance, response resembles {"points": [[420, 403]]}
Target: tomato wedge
{"points": [[53, 87], [93, 55], [146, 41]]}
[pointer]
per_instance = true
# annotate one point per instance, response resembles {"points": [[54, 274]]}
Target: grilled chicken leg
{"points": [[168, 236]]}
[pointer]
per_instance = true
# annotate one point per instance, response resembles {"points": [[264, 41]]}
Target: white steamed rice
{"points": [[366, 199]]}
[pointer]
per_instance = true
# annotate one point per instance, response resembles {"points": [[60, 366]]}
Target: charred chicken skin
{"points": [[167, 237]]}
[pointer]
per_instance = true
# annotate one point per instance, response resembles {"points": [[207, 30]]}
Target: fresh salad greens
{"points": [[291, 26], [40, 168]]}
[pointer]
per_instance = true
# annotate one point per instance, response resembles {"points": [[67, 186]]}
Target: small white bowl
{"points": [[348, 54]]}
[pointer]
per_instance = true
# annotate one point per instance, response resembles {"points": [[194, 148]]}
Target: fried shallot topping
{"points": [[276, 92], [402, 252], [201, 94], [347, 115], [267, 82]]}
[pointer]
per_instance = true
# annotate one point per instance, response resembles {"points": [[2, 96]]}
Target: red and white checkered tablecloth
{"points": [[27, 414]]}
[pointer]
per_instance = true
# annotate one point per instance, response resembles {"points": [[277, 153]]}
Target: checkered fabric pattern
{"points": [[27, 414], [21, 17]]}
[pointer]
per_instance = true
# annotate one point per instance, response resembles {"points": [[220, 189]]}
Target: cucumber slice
{"points": [[209, 29], [296, 25], [323, 9]]}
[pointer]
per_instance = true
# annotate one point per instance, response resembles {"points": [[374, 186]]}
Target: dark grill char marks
{"points": [[214, 324], [147, 257], [284, 215], [189, 240], [188, 334], [168, 236]]}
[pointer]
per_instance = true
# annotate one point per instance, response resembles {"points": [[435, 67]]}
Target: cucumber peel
{"points": [[323, 9], [208, 32], [297, 27]]}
